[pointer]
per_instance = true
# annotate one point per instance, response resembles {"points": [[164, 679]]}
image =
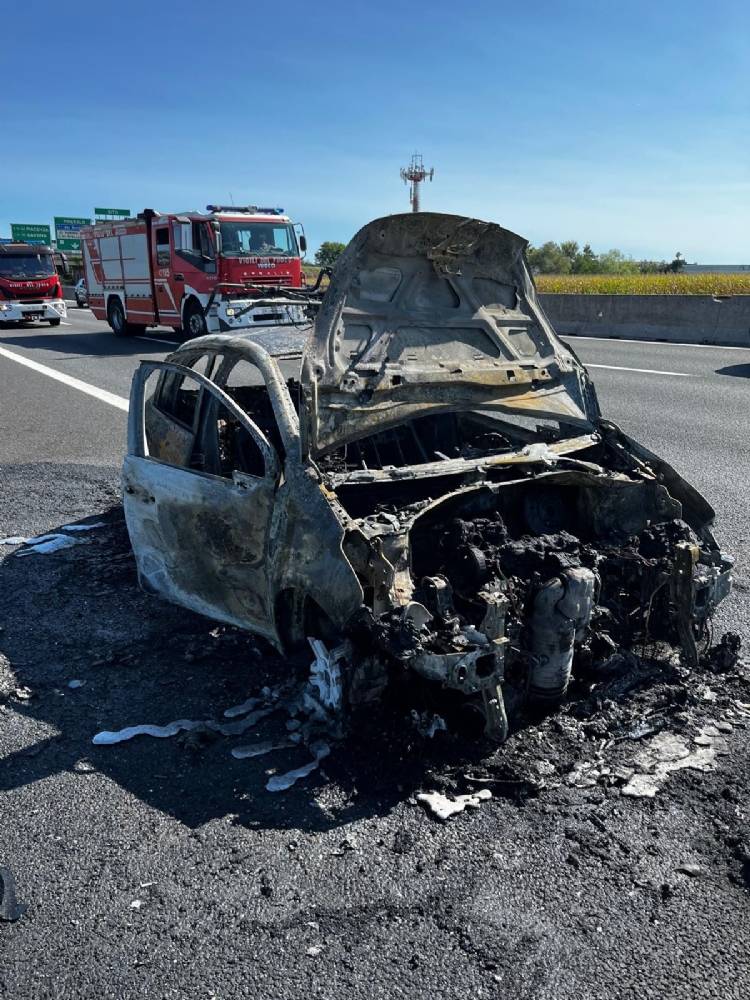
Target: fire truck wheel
{"points": [[194, 322], [54, 322], [116, 319]]}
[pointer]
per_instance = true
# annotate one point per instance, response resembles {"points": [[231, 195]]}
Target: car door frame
{"points": [[225, 589]]}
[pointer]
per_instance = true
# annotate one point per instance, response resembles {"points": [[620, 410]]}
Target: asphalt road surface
{"points": [[163, 868]]}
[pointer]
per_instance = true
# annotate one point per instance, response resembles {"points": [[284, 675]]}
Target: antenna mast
{"points": [[414, 174]]}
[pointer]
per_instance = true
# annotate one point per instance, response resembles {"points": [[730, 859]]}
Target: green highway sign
{"points": [[68, 232], [65, 222], [123, 212], [29, 232]]}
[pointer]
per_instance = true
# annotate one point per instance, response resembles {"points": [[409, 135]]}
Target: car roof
{"points": [[278, 341]]}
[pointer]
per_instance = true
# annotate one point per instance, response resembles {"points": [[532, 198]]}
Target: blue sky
{"points": [[620, 124]]}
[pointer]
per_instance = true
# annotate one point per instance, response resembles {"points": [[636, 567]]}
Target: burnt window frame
{"points": [[204, 427]]}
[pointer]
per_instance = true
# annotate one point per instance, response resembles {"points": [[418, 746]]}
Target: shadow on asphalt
{"points": [[737, 371], [101, 345], [79, 615]]}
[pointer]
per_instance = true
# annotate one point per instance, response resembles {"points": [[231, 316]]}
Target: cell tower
{"points": [[414, 174]]}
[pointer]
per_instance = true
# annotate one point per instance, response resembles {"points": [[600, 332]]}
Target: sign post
{"points": [[30, 233], [119, 213], [68, 232]]}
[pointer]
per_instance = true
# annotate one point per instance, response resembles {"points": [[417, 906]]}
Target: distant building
{"points": [[716, 269]]}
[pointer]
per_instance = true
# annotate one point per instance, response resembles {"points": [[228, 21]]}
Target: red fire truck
{"points": [[30, 287], [200, 272]]}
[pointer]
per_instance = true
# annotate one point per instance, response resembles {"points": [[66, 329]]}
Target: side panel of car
{"points": [[214, 526], [199, 524]]}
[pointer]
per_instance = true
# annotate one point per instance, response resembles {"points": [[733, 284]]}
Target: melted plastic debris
{"points": [[666, 753], [162, 732], [443, 808], [10, 908], [243, 709], [427, 724], [48, 543], [316, 701], [54, 541], [282, 782], [325, 674], [266, 746]]}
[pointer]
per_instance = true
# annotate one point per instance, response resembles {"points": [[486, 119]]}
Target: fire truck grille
{"points": [[26, 295], [271, 279]]}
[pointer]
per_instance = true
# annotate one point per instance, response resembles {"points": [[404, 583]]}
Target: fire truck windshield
{"points": [[19, 266], [257, 239]]}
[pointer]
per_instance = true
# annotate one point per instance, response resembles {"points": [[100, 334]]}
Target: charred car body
{"points": [[437, 491]]}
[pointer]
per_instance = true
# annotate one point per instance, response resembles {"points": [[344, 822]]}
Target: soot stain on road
{"points": [[345, 876]]}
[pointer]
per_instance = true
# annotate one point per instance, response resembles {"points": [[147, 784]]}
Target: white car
{"points": [[81, 295]]}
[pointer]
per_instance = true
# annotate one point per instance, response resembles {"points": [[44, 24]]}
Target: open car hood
{"points": [[428, 313]]}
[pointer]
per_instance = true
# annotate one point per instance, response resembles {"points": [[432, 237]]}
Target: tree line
{"points": [[568, 258], [556, 258]]}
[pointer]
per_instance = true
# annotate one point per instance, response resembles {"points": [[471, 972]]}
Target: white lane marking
{"points": [[644, 371], [63, 323], [652, 343], [158, 340], [92, 390]]}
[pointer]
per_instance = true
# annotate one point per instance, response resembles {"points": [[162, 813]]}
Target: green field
{"points": [[626, 284], [311, 273], [644, 284]]}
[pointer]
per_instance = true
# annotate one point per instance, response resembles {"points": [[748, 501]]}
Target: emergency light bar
{"points": [[231, 208], [249, 209]]}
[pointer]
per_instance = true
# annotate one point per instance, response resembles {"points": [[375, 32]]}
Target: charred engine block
{"points": [[507, 598], [558, 594], [544, 616]]}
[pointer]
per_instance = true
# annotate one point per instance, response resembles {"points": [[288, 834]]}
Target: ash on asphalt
{"points": [[568, 872]]}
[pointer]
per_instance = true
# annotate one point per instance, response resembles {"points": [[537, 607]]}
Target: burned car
{"points": [[435, 492]]}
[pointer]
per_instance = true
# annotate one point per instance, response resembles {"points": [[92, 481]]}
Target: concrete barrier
{"points": [[687, 319]]}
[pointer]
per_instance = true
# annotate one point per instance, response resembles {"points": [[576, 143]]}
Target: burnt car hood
{"points": [[427, 313]]}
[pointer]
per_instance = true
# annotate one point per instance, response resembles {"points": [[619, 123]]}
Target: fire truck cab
{"points": [[30, 288], [211, 272]]}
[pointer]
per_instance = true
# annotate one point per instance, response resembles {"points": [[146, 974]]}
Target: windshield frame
{"points": [[10, 264], [242, 233]]}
